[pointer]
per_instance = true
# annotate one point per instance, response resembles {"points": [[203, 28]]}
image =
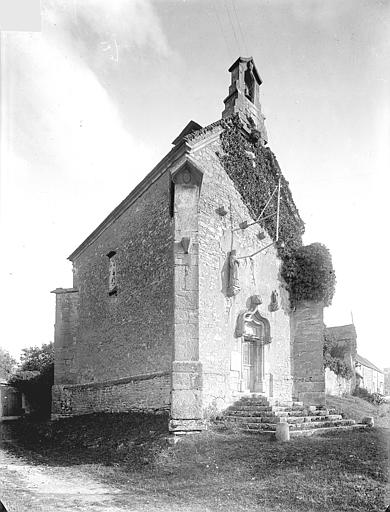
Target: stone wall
{"points": [[336, 384], [219, 349], [101, 337], [139, 393], [308, 363]]}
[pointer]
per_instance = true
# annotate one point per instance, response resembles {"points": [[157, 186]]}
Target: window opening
{"points": [[112, 274]]}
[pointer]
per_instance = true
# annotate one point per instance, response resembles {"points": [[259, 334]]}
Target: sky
{"points": [[92, 102]]}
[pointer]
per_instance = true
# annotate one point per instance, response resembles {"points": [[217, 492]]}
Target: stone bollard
{"points": [[282, 432], [368, 420]]}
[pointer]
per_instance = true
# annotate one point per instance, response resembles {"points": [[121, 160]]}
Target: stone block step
{"points": [[297, 426], [319, 424], [254, 402], [305, 432], [271, 420], [325, 430], [241, 407], [312, 419], [256, 413]]}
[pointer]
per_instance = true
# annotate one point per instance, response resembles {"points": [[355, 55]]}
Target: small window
{"points": [[112, 274]]}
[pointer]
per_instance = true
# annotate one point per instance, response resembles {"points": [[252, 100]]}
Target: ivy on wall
{"points": [[332, 359], [255, 172]]}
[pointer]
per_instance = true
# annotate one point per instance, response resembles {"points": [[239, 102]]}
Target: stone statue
{"points": [[250, 82], [233, 283], [274, 306]]}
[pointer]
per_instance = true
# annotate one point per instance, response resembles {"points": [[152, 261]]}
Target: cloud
{"points": [[96, 26], [67, 158]]}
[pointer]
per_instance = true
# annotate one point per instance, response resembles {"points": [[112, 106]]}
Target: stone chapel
{"points": [[178, 304]]}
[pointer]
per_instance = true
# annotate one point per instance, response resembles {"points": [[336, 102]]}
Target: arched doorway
{"points": [[254, 331]]}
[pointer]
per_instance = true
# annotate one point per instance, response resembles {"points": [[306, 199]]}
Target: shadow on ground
{"points": [[96, 438]]}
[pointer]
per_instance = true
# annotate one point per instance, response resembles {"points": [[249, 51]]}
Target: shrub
{"points": [[374, 398], [35, 378], [309, 274]]}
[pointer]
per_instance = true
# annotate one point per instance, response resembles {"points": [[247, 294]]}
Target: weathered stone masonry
{"points": [[102, 337], [151, 323]]}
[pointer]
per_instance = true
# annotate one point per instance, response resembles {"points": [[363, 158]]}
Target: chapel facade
{"points": [[178, 303]]}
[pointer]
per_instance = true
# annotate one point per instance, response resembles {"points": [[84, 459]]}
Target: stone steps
{"points": [[257, 414], [314, 431], [298, 426], [290, 420], [239, 411]]}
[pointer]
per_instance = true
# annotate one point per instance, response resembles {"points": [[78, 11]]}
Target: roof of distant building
{"points": [[342, 332], [365, 362]]}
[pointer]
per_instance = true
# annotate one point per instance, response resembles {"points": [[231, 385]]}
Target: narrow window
{"points": [[172, 198], [112, 279]]}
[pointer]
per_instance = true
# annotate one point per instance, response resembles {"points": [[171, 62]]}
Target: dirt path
{"points": [[38, 487], [25, 487]]}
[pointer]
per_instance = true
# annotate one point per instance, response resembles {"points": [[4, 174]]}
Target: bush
{"points": [[309, 274], [373, 398], [35, 378], [37, 358]]}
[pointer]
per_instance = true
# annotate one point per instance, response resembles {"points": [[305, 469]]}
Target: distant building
{"points": [[345, 350], [369, 376], [386, 372]]}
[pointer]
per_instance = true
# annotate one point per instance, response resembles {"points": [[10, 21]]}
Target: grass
{"points": [[356, 408], [219, 470]]}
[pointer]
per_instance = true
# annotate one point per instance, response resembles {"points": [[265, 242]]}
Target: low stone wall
{"points": [[149, 393], [337, 385]]}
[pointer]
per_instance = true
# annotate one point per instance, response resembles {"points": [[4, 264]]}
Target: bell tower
{"points": [[244, 95]]}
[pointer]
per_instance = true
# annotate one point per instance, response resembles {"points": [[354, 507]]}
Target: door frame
{"points": [[257, 378]]}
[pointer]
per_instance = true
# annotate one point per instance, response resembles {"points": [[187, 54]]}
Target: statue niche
{"points": [[233, 283]]}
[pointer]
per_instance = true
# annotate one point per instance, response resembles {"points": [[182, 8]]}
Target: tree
{"points": [[35, 377], [37, 358], [7, 363]]}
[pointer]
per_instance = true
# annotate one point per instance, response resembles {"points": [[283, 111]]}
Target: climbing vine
{"points": [[332, 359], [255, 172]]}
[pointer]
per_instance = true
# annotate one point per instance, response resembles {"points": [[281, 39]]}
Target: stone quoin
{"points": [[173, 309]]}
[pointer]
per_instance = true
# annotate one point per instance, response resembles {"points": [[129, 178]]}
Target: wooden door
{"points": [[11, 402], [248, 365]]}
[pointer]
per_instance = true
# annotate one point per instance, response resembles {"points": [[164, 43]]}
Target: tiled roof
{"points": [[365, 362]]}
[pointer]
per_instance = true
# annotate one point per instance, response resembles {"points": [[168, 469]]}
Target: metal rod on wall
{"points": [[261, 213], [278, 213]]}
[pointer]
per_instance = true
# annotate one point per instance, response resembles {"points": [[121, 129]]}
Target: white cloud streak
{"points": [[67, 158]]}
